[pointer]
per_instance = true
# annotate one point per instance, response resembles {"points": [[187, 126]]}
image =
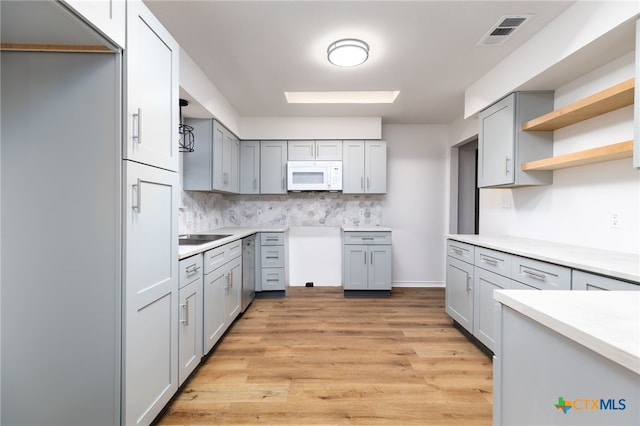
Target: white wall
{"points": [[577, 208], [415, 205], [289, 128], [578, 28]]}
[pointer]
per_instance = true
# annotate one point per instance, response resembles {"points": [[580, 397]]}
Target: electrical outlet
{"points": [[616, 220]]}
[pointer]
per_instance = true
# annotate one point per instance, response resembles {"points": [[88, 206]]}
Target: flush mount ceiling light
{"points": [[348, 52], [358, 97]]}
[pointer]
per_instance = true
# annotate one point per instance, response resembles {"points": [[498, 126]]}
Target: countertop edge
{"points": [[236, 234], [572, 256]]}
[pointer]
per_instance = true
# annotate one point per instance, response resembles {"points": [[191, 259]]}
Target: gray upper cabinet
{"points": [[503, 146], [273, 167], [364, 167], [215, 163], [249, 167], [152, 60], [321, 150]]}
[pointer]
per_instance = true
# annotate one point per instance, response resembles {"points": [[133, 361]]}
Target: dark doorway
{"points": [[468, 192]]}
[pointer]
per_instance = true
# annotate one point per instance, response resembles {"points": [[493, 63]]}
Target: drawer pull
{"points": [[273, 280], [367, 238], [192, 269], [535, 275], [272, 257], [456, 250], [490, 260]]}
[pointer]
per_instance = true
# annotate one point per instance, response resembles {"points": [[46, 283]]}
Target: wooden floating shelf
{"points": [[618, 96], [54, 48], [615, 151]]}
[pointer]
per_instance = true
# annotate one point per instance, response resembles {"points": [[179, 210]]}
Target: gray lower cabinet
{"points": [[474, 272], [189, 316], [272, 262], [459, 289], [503, 146], [535, 368], [587, 281], [222, 290], [367, 261]]}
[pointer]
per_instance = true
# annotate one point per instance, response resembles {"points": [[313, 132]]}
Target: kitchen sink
{"points": [[197, 239]]}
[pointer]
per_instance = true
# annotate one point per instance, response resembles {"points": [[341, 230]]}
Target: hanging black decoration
{"points": [[186, 141]]}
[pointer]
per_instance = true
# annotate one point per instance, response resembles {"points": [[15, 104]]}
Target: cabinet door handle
{"points": [[368, 182], [138, 198], [469, 287], [255, 183], [371, 258], [365, 257], [226, 279], [137, 127], [506, 165], [536, 275], [231, 279], [185, 308], [283, 183], [361, 182]]}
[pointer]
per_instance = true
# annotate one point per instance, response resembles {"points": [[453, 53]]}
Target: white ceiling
{"points": [[254, 51]]}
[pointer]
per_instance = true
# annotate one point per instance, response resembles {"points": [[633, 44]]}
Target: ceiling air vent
{"points": [[506, 26]]}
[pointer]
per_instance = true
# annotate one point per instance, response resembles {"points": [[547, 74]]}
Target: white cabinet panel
{"points": [[107, 16], [152, 90]]}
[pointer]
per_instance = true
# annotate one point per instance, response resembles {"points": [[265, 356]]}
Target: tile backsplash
{"points": [[201, 211]]}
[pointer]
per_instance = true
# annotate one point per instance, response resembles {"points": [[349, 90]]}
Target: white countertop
{"points": [[235, 234], [625, 266], [607, 322]]}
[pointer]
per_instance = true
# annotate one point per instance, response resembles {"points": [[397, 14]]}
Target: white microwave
{"points": [[314, 175]]}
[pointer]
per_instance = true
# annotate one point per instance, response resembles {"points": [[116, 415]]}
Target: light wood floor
{"points": [[315, 357]]}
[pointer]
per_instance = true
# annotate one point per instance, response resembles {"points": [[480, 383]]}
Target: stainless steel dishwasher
{"points": [[248, 270]]}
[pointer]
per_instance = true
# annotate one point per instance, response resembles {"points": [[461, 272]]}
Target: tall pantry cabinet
{"points": [[150, 257], [88, 187]]}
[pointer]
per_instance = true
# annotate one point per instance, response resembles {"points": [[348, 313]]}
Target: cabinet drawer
{"points": [[272, 257], [272, 279], [272, 238], [541, 275], [218, 256], [367, 238], [493, 260], [190, 270], [462, 251], [587, 281]]}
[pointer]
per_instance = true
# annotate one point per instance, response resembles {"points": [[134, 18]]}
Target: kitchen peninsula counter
{"points": [[620, 265]]}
